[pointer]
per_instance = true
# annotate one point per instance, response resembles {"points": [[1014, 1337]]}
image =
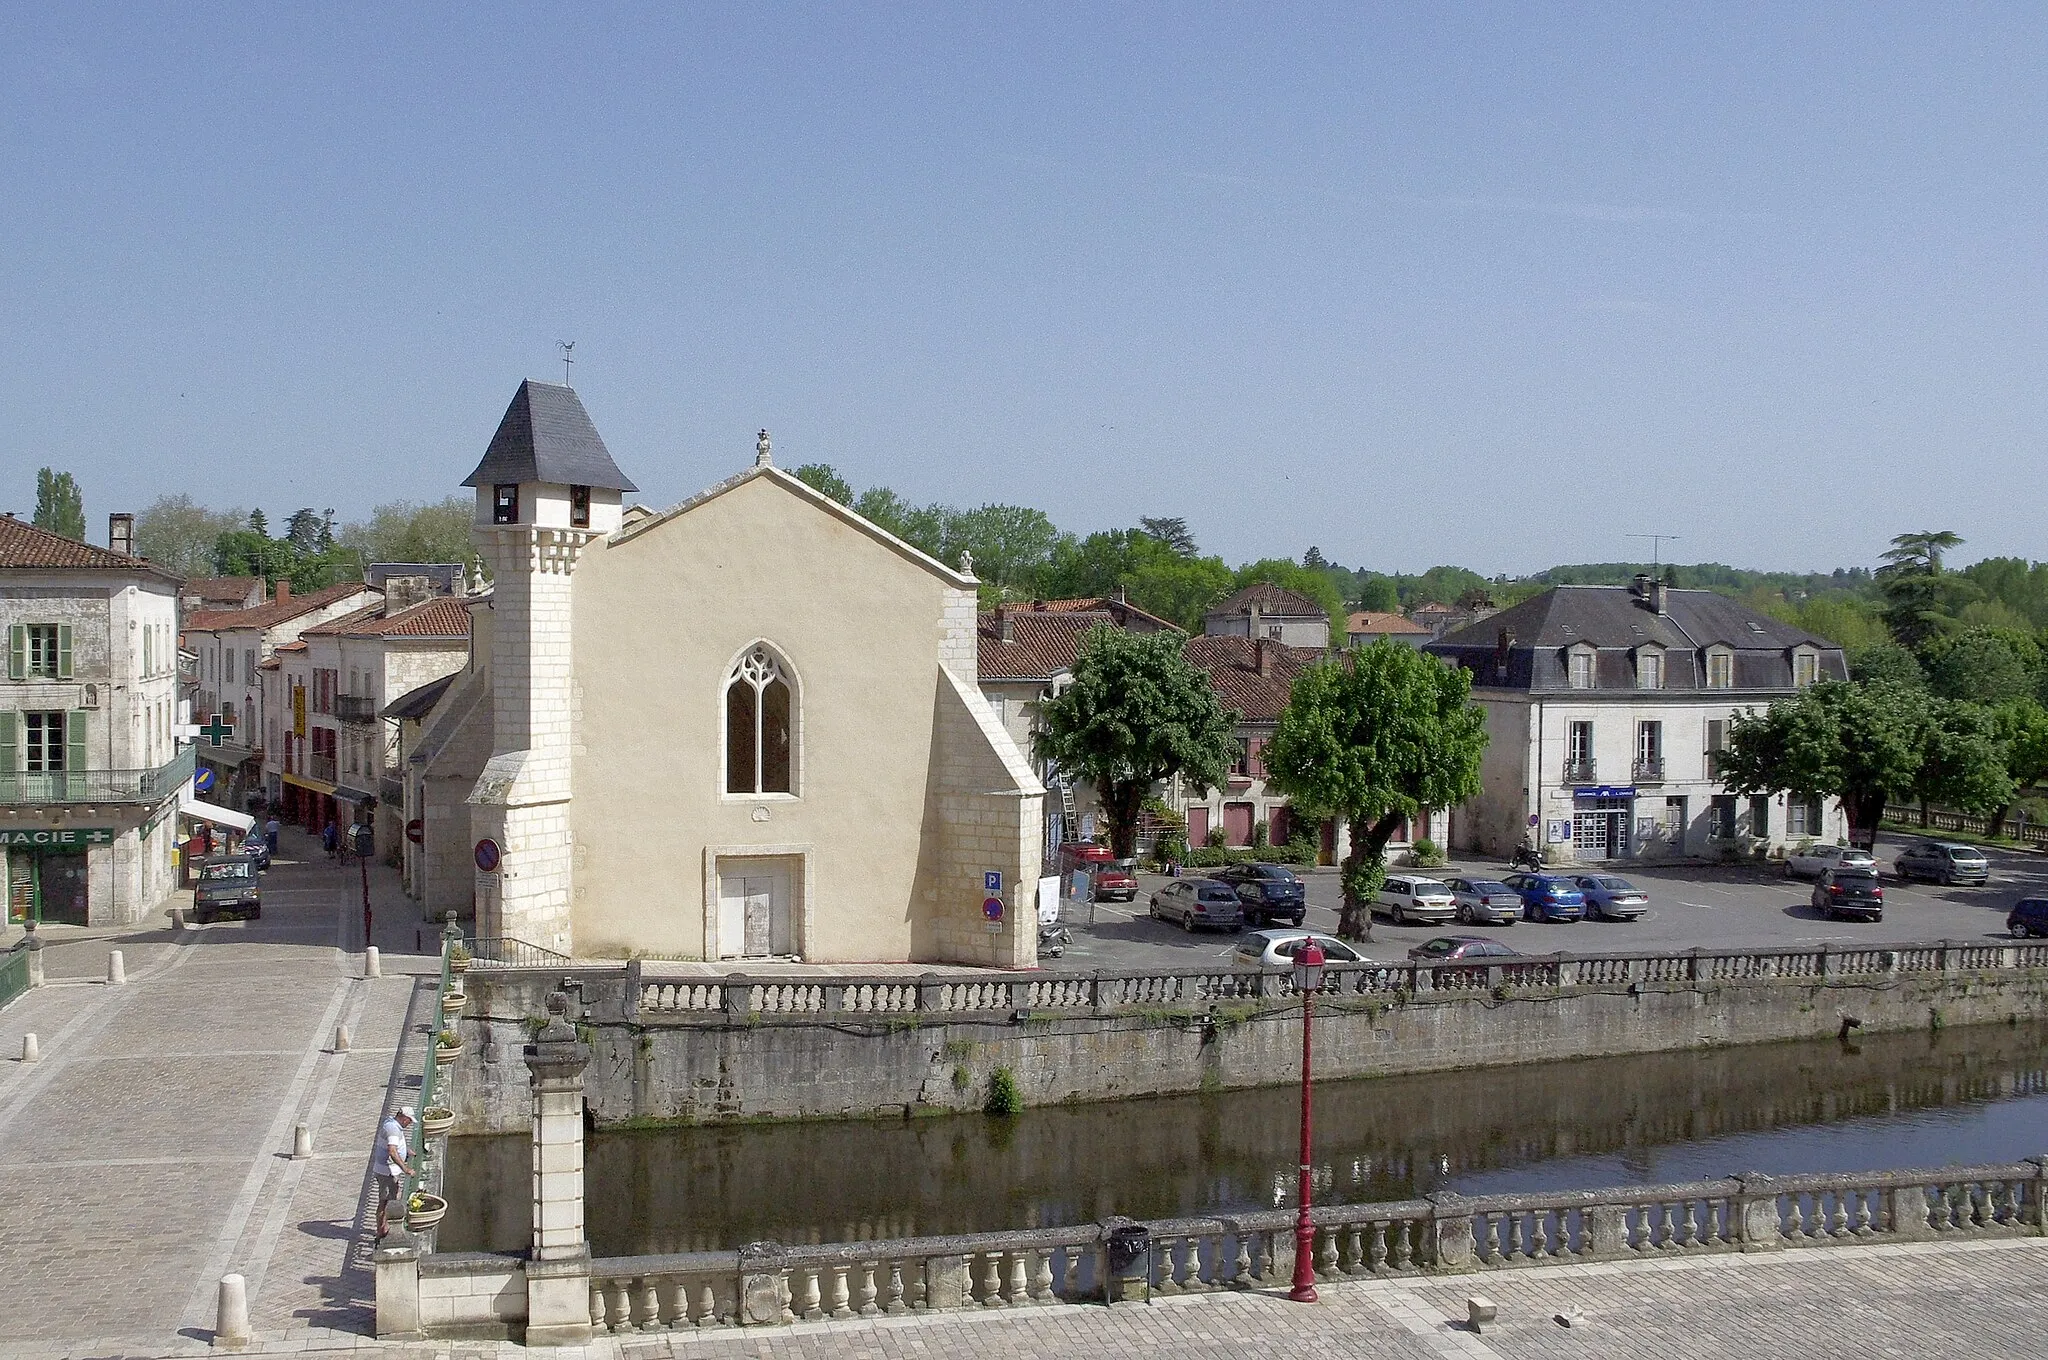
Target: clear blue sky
{"points": [[1465, 283]]}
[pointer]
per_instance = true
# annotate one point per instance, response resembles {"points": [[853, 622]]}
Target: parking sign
{"points": [[992, 880]]}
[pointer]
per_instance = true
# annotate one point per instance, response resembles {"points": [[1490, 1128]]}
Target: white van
{"points": [[1412, 897]]}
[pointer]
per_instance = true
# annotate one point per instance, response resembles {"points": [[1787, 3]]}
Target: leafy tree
{"points": [[1921, 603], [180, 535], [1138, 712], [60, 505], [2022, 732], [2018, 585], [1314, 560], [304, 528], [403, 531], [245, 552], [1079, 568], [1171, 532], [921, 526], [1178, 589], [1375, 736], [1963, 763], [1863, 744], [1886, 663], [1303, 581], [1442, 585], [1377, 593], [1010, 543], [1983, 665], [1918, 554], [259, 523], [825, 479]]}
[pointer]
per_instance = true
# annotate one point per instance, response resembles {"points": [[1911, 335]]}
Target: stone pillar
{"points": [[398, 1286], [1755, 1206], [1450, 1232], [558, 1266], [34, 945]]}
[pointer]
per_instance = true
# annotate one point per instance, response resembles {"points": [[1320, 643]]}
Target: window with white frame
{"points": [[1721, 669], [1650, 670], [1805, 668], [1803, 817], [1579, 667], [760, 725]]}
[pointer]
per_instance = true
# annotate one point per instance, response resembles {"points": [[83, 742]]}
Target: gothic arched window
{"points": [[760, 725]]}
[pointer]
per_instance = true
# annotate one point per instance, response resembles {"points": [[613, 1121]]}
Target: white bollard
{"points": [[30, 1051], [117, 971], [373, 966], [177, 918], [231, 1319], [302, 1142], [341, 1038]]}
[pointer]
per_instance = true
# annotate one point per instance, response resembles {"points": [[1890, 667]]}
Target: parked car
{"points": [[1612, 898], [1548, 897], [1270, 893], [257, 848], [1816, 860], [227, 886], [1942, 862], [1460, 949], [1485, 901], [1109, 879], [1196, 902], [1849, 893], [1413, 897], [2029, 916], [1276, 948]]}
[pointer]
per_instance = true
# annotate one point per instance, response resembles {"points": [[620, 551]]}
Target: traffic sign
{"points": [[487, 855], [992, 907], [202, 779], [416, 831], [992, 880]]}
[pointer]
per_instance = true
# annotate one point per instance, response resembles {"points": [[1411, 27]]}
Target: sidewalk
{"points": [[148, 1152]]}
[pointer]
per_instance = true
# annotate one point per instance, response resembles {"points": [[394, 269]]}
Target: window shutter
{"points": [[10, 741], [63, 651], [17, 651], [74, 740]]}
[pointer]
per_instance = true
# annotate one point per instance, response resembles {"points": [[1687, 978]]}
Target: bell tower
{"points": [[546, 486]]}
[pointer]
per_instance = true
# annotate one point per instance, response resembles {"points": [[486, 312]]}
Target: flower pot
{"points": [[453, 1002], [458, 965], [432, 1124], [428, 1215], [444, 1052]]}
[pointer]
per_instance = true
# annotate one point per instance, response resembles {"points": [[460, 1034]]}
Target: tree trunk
{"points": [[1364, 866], [1866, 810], [1994, 825], [1123, 804]]}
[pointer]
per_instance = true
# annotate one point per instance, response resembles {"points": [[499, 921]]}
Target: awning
{"points": [[213, 812], [315, 785], [349, 795]]}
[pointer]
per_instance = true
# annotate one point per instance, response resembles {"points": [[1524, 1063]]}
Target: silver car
{"points": [[1485, 901], [1815, 860], [1276, 948]]}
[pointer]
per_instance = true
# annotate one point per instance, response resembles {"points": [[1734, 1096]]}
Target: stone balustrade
{"points": [[651, 996]]}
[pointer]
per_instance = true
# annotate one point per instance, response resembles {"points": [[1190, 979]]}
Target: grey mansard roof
{"points": [[1524, 647], [546, 436]]}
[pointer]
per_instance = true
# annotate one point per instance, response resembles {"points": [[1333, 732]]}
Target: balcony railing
{"points": [[320, 767], [1649, 769], [99, 786], [1579, 771], [355, 708]]}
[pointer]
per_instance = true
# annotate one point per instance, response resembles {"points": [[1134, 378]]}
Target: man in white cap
{"points": [[389, 1164]]}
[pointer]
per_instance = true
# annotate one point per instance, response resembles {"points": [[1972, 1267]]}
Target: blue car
{"points": [[1548, 897]]}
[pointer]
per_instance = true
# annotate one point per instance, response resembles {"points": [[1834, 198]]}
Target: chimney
{"points": [[284, 592], [1005, 628], [1658, 591], [121, 534], [403, 592], [1641, 587], [1262, 655]]}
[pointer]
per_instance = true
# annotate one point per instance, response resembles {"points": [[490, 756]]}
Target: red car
{"points": [[1109, 880]]}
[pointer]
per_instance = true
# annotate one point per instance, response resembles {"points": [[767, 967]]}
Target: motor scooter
{"points": [[1527, 857], [1053, 938]]}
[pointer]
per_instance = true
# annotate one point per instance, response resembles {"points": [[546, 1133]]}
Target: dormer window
{"points": [[1805, 668], [1649, 669], [579, 507], [1579, 663], [1720, 668], [505, 503]]}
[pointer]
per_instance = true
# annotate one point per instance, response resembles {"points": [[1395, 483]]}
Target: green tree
{"points": [[2022, 732], [245, 552], [1375, 736], [1919, 554], [1173, 533], [1886, 663], [1863, 744], [1082, 568], [923, 527], [1308, 581], [180, 535], [259, 523], [401, 531], [1010, 543], [1178, 588], [60, 505], [1137, 713], [1377, 593], [1983, 665], [304, 528], [825, 479], [1963, 762]]}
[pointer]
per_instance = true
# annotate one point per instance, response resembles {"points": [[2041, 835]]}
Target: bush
{"points": [[1212, 857], [1216, 839], [1260, 835], [1003, 1096], [1428, 854]]}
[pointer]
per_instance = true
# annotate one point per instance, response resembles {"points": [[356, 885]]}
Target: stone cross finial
{"points": [[476, 574], [762, 457], [966, 562]]}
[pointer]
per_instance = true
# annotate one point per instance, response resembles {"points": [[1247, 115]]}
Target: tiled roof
{"points": [[1371, 621], [222, 587], [546, 436], [445, 616], [274, 613], [23, 545], [1233, 667], [1123, 611], [346, 623], [295, 645], [1270, 599], [1045, 635]]}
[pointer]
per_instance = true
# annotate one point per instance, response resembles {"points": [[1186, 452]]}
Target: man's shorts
{"points": [[387, 1190]]}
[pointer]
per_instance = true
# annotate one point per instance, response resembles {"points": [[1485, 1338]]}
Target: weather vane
{"points": [[566, 346]]}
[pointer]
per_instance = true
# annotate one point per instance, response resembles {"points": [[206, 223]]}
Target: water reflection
{"points": [[1961, 1095]]}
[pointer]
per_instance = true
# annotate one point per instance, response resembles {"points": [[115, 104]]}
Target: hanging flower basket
{"points": [[424, 1211], [453, 1002], [447, 1043], [436, 1119]]}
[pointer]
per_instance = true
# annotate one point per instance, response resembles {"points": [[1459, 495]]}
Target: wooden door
{"points": [[1237, 824], [1198, 826]]}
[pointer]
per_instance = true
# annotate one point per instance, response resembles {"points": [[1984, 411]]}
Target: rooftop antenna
{"points": [[566, 346], [1657, 542]]}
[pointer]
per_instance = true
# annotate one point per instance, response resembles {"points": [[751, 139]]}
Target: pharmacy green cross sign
{"points": [[217, 731]]}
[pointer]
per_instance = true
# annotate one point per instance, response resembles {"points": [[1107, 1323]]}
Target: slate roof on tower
{"points": [[546, 436]]}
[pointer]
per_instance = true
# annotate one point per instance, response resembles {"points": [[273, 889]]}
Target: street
{"points": [[1703, 907]]}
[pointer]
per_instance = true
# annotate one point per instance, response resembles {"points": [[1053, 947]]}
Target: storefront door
{"points": [[47, 886], [1600, 828]]}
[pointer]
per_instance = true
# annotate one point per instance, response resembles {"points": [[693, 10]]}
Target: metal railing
{"points": [[766, 1283], [1580, 771], [14, 972], [1649, 769], [504, 951], [422, 1158], [651, 996], [99, 786], [355, 708]]}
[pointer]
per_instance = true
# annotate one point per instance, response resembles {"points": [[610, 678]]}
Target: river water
{"points": [[1955, 1096]]}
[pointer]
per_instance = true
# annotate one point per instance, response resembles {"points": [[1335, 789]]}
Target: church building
{"points": [[747, 727]]}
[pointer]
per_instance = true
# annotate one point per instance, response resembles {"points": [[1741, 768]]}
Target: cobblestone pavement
{"points": [[147, 1153]]}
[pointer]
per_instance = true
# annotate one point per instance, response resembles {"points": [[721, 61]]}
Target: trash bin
{"points": [[1129, 1252]]}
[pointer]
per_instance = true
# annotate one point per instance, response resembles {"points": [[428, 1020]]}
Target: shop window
{"points": [[760, 725]]}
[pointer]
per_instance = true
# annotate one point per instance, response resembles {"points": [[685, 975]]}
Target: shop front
{"points": [[1602, 817], [49, 872]]}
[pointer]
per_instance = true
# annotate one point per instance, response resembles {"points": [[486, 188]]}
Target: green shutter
{"points": [[10, 741], [17, 651], [63, 651], [74, 740]]}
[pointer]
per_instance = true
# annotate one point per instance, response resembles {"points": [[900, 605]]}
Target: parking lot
{"points": [[1706, 907]]}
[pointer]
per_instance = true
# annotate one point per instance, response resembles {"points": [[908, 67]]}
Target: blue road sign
{"points": [[992, 880], [202, 779]]}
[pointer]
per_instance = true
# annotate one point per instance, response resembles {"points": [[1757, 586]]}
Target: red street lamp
{"points": [[1308, 980]]}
